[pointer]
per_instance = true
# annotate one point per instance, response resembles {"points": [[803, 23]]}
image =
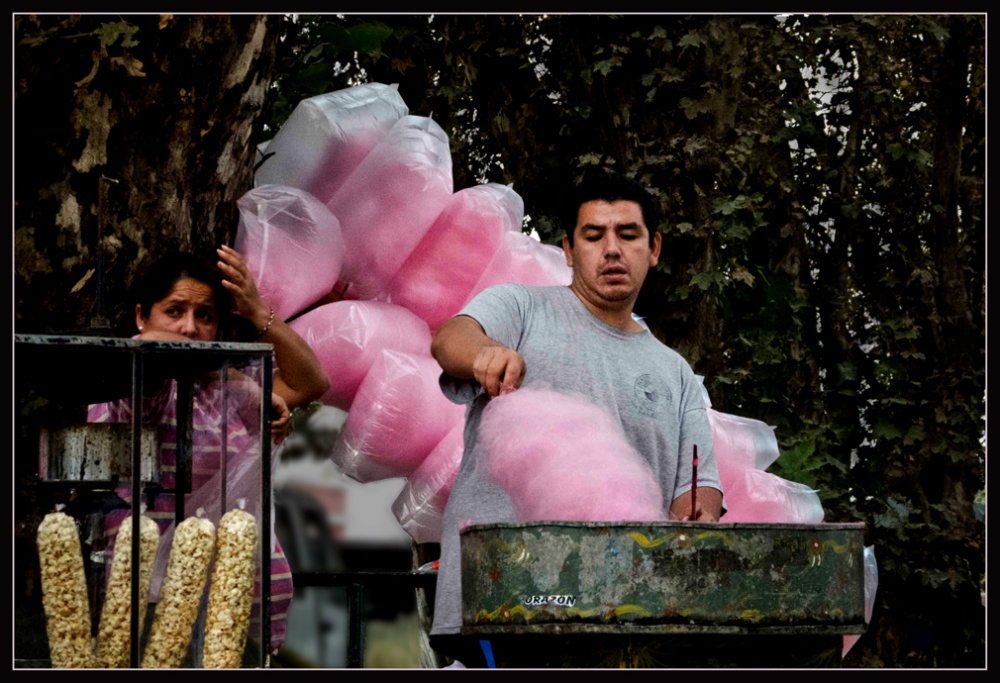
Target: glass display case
{"points": [[138, 440]]}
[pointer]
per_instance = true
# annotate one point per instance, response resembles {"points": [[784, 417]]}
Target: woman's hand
{"points": [[247, 302], [279, 427]]}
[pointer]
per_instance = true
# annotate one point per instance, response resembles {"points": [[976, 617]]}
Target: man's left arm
{"points": [[696, 432], [708, 506]]}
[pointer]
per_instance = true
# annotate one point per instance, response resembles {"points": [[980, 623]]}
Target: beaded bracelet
{"points": [[268, 325]]}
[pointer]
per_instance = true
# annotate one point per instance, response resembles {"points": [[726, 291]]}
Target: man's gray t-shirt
{"points": [[641, 383]]}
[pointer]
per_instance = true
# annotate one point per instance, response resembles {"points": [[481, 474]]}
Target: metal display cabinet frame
{"points": [[77, 370]]}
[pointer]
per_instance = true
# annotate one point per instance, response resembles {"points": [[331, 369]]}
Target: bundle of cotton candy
{"points": [[292, 246], [742, 442], [348, 337], [755, 496], [744, 447], [560, 457], [419, 507], [389, 202], [526, 260], [438, 277], [397, 418], [327, 136]]}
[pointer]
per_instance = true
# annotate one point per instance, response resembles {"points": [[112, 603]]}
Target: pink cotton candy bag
{"points": [[292, 245], [349, 336], [744, 448], [419, 507], [389, 202], [396, 419], [438, 277], [327, 136]]}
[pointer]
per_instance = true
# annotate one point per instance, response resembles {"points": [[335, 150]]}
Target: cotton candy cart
{"points": [[665, 595]]}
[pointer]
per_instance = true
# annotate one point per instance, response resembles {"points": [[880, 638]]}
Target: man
{"points": [[582, 338]]}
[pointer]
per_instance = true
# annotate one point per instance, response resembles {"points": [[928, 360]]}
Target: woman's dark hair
{"points": [[607, 186], [159, 280]]}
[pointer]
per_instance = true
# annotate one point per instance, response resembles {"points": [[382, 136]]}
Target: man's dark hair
{"points": [[607, 186], [159, 279]]}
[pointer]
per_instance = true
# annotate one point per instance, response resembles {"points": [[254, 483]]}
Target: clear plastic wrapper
{"points": [[348, 337], [743, 441], [755, 496], [438, 277], [397, 418], [327, 136], [744, 448], [871, 588], [526, 260], [292, 245], [389, 202], [419, 507], [560, 457]]}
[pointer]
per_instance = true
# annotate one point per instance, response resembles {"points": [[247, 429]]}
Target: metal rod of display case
{"points": [[224, 435], [265, 485], [183, 477], [136, 494]]}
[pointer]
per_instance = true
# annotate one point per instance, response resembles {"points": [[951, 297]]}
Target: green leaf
{"points": [[108, 34], [692, 39], [707, 281], [604, 66], [886, 430]]}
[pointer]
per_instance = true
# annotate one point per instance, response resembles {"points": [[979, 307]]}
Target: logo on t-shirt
{"points": [[652, 394]]}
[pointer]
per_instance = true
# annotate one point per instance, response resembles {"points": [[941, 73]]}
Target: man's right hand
{"points": [[462, 349], [498, 369]]}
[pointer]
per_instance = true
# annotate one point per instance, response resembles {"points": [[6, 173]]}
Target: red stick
{"points": [[694, 481]]}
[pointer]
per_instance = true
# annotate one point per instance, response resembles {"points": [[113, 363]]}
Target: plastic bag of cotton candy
{"points": [[743, 449], [419, 507], [439, 276], [524, 259], [560, 457], [396, 419], [349, 336], [327, 136], [292, 245], [871, 588], [389, 202]]}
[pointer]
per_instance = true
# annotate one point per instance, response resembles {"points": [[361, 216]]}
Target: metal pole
{"points": [[136, 495], [265, 476]]}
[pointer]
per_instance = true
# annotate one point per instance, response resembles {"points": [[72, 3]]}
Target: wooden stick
{"points": [[694, 482]]}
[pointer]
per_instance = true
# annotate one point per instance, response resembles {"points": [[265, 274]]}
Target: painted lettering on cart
{"points": [[557, 600]]}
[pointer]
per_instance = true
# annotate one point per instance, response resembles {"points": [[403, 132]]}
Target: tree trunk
{"points": [[134, 136]]}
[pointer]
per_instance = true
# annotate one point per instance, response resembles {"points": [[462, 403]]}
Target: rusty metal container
{"points": [[727, 588]]}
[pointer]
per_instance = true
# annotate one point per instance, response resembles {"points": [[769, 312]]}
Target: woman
{"points": [[184, 298]]}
